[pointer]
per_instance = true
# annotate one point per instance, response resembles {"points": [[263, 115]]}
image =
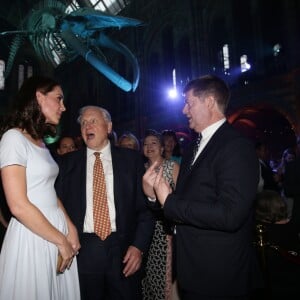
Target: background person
{"points": [[291, 186], [157, 283], [282, 268], [171, 146], [65, 145], [288, 157], [129, 140], [270, 179]]}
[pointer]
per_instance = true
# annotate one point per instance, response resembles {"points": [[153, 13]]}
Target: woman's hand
{"points": [[161, 187], [148, 180], [65, 256], [73, 238]]}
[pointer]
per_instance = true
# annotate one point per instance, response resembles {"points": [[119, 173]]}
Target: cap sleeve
{"points": [[13, 150]]}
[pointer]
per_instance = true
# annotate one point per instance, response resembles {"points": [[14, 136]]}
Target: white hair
{"points": [[103, 111]]}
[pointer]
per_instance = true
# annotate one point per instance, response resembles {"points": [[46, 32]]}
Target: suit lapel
{"points": [[116, 165], [216, 141], [213, 142], [81, 169], [185, 169]]}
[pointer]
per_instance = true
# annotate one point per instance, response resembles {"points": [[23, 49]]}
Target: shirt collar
{"points": [[105, 152], [211, 129]]}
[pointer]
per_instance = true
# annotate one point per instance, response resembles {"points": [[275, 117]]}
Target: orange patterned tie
{"points": [[102, 225]]}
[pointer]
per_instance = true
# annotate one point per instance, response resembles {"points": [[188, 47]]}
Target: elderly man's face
{"points": [[94, 129]]}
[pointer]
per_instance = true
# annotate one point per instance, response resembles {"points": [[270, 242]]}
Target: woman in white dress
{"points": [[40, 231]]}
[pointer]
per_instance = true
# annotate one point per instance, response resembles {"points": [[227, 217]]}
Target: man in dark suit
{"points": [[109, 267], [213, 201]]}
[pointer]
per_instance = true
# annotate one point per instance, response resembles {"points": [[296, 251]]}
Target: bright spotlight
{"points": [[245, 66], [172, 93], [276, 49]]}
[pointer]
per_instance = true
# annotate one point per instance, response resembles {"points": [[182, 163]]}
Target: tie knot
{"points": [[97, 154], [196, 148], [199, 139]]}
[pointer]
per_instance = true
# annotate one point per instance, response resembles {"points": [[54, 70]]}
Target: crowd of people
{"points": [[102, 217]]}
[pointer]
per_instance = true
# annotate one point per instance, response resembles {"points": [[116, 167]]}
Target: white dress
{"points": [[27, 261]]}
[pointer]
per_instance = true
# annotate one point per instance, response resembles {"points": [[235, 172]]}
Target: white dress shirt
{"points": [[207, 134], [105, 156]]}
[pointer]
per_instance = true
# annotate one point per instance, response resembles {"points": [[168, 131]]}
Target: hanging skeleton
{"points": [[58, 36]]}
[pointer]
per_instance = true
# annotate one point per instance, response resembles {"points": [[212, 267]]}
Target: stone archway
{"points": [[267, 124]]}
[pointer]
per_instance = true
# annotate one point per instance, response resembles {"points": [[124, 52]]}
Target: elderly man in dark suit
{"points": [[109, 263], [213, 201]]}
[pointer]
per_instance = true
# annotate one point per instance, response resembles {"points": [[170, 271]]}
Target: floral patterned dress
{"points": [[157, 282]]}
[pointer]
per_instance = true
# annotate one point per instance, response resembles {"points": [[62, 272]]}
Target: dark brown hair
{"points": [[153, 132], [26, 113], [210, 85], [172, 133]]}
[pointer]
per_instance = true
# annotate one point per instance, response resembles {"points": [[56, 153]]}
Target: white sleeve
{"points": [[13, 149]]}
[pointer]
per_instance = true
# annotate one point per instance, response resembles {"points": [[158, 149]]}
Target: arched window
{"points": [[110, 6], [20, 75], [24, 71], [2, 79]]}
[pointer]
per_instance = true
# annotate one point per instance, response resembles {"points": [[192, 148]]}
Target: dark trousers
{"points": [[100, 270]]}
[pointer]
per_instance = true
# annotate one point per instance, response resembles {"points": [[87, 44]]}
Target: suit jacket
{"points": [[134, 221], [213, 207]]}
